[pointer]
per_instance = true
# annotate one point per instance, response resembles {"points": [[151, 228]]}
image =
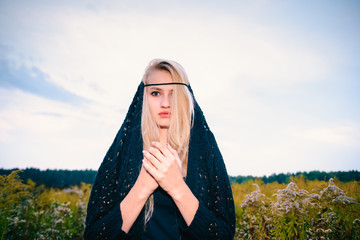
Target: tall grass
{"points": [[300, 209], [30, 212]]}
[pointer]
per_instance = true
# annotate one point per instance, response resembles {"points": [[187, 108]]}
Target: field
{"points": [[300, 209]]}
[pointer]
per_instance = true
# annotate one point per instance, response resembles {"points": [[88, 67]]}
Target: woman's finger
{"points": [[156, 153], [174, 154], [150, 168], [173, 151], [162, 148], [151, 159]]}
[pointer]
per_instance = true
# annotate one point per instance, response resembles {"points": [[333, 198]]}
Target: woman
{"points": [[163, 177]]}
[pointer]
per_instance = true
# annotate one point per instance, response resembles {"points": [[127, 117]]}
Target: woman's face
{"points": [[159, 97]]}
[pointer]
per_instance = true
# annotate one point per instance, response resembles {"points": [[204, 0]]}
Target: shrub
{"points": [[294, 213], [29, 212]]}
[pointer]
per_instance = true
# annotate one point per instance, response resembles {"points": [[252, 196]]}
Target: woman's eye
{"points": [[155, 94]]}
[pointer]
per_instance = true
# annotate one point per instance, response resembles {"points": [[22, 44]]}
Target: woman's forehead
{"points": [[159, 77]]}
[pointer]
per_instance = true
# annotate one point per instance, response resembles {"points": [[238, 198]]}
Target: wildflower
{"points": [[253, 199], [290, 199], [356, 222], [59, 221]]}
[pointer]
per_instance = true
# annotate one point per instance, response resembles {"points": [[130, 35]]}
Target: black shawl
{"points": [[206, 177]]}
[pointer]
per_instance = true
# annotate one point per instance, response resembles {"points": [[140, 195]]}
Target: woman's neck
{"points": [[163, 135]]}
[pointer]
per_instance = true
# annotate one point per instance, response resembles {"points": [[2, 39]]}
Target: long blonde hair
{"points": [[182, 112]]}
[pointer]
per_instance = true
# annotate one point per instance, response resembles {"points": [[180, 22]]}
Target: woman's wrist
{"points": [[141, 190], [179, 193], [186, 202]]}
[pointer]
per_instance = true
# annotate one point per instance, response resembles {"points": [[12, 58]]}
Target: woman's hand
{"points": [[162, 162], [148, 183]]}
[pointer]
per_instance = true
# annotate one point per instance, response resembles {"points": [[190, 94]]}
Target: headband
{"points": [[171, 83]]}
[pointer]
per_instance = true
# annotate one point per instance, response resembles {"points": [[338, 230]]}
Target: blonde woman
{"points": [[163, 177]]}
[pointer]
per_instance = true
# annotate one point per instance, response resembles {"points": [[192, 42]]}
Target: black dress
{"points": [[164, 223]]}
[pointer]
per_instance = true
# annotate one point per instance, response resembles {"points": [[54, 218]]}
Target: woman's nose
{"points": [[165, 101]]}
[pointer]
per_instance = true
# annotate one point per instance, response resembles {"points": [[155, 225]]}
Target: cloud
{"points": [[343, 135], [53, 134], [33, 81]]}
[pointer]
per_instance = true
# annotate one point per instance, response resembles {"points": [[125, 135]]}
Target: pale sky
{"points": [[278, 81]]}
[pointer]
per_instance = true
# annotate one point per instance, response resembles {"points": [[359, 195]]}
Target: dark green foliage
{"points": [[55, 178], [346, 176]]}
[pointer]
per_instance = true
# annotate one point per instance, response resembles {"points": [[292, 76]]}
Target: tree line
{"points": [[66, 178], [55, 178], [343, 176]]}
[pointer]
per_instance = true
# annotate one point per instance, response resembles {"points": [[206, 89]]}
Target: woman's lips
{"points": [[165, 114]]}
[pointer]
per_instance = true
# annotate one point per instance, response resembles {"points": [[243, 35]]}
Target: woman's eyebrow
{"points": [[156, 88]]}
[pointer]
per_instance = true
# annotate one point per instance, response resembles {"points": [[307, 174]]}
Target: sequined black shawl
{"points": [[206, 177]]}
